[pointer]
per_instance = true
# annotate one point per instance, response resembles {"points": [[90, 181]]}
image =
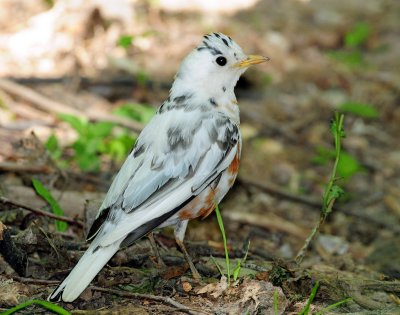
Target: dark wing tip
{"points": [[97, 223], [56, 296]]}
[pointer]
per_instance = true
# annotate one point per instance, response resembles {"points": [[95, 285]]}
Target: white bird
{"points": [[183, 163]]}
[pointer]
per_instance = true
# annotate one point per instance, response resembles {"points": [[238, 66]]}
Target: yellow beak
{"points": [[251, 60]]}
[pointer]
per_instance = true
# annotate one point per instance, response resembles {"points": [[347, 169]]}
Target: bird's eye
{"points": [[221, 61]]}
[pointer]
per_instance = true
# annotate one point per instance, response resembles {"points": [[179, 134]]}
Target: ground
{"points": [[90, 58]]}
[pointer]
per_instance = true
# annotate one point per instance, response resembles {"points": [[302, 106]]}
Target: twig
{"points": [[48, 105], [277, 191], [22, 168], [5, 201], [268, 221], [163, 299]]}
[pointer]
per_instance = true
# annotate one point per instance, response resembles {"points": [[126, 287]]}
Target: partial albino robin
{"points": [[183, 163]]}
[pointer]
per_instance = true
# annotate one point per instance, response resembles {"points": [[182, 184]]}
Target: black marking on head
{"points": [[225, 42], [201, 48], [212, 102], [151, 225], [213, 50], [97, 223], [234, 54], [217, 35], [224, 89]]}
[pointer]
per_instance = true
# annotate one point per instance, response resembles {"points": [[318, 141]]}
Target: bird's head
{"points": [[214, 67]]}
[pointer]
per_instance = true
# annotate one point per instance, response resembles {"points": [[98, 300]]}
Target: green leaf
{"points": [[52, 143], [334, 193], [77, 123], [125, 41], [348, 165], [306, 308], [50, 306], [53, 147], [137, 112], [360, 109], [337, 127], [276, 302], [88, 162], [358, 35], [218, 266], [55, 207], [334, 305], [119, 147], [350, 58], [100, 129], [221, 227], [239, 263], [142, 77]]}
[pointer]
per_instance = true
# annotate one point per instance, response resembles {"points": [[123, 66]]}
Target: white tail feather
{"points": [[87, 268]]}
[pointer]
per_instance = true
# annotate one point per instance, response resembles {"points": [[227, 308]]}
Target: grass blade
{"points": [[50, 306], [239, 264], [276, 302], [218, 266], [314, 290], [55, 207], [221, 227], [332, 306]]}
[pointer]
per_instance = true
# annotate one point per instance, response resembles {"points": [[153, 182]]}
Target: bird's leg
{"points": [[155, 250], [180, 230]]}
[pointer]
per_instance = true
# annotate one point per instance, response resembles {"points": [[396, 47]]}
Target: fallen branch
{"points": [[54, 107], [268, 221], [5, 201], [163, 299], [277, 191], [22, 168]]}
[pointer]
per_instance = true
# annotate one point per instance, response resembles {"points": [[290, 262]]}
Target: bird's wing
{"points": [[177, 155]]}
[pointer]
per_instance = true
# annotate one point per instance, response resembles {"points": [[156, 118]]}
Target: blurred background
{"points": [[85, 76]]}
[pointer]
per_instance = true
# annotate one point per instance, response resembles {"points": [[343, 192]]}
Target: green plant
{"points": [[221, 227], [313, 293], [99, 138], [347, 166], [276, 302], [135, 111], [332, 191], [353, 40], [50, 306], [306, 308], [125, 41], [334, 305], [359, 109], [239, 263], [89, 142], [55, 207], [358, 35]]}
